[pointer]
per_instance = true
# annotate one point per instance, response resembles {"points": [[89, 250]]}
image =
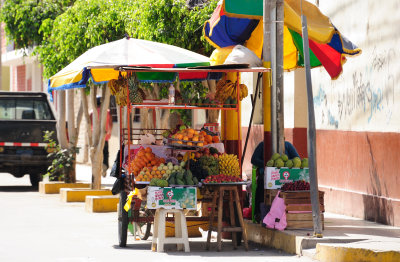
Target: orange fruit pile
{"points": [[144, 158], [150, 173], [192, 137]]}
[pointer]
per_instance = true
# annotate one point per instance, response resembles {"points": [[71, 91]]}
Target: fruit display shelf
{"points": [[227, 183], [142, 182], [183, 147]]}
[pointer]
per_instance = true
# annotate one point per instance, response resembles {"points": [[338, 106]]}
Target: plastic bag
{"points": [[219, 55], [243, 55], [147, 139], [118, 186], [276, 217]]}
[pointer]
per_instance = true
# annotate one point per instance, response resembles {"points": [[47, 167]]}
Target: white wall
{"points": [[364, 97]]}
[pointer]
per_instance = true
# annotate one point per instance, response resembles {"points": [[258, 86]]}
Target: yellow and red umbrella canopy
{"points": [[239, 22]]}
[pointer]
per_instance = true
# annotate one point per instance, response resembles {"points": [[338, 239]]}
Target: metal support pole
{"points": [[253, 103], [311, 139]]}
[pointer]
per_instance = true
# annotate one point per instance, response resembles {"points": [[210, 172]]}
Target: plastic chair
{"points": [[181, 233]]}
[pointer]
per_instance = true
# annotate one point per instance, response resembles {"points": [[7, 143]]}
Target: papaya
{"points": [[180, 182], [179, 176], [189, 174], [172, 181]]}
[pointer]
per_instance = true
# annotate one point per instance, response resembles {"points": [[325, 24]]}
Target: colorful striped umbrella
{"points": [[328, 47], [98, 63]]}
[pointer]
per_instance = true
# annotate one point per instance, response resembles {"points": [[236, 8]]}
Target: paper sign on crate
{"points": [[274, 177], [172, 197], [213, 127]]}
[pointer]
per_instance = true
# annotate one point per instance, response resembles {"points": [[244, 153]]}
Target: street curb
{"points": [[329, 253], [79, 194], [99, 204], [54, 187], [273, 238]]}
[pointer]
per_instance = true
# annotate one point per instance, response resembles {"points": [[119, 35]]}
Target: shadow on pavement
{"points": [[197, 247], [18, 189]]}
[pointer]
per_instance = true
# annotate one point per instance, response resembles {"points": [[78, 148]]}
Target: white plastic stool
{"points": [[181, 233]]}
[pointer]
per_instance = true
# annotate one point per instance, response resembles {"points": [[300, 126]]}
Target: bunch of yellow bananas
{"points": [[118, 89], [243, 91], [188, 155], [226, 88], [229, 165]]}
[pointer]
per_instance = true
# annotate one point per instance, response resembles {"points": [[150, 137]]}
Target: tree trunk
{"points": [[99, 133], [72, 135], [212, 115], [61, 130]]}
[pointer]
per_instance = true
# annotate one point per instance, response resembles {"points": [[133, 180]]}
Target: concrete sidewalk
{"points": [[344, 239]]}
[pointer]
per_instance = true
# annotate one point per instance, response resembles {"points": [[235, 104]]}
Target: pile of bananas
{"points": [[229, 165], [119, 90], [227, 88]]}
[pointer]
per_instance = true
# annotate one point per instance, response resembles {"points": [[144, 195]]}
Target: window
{"points": [[17, 109]]}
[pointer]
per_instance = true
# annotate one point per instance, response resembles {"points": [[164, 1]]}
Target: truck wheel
{"points": [[122, 220], [35, 179]]}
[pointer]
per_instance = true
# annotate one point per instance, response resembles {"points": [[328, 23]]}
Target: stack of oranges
{"points": [[191, 137], [149, 173], [144, 158]]}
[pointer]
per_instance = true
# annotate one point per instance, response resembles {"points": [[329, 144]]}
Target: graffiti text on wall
{"points": [[371, 91]]}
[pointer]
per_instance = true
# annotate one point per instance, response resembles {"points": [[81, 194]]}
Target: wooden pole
{"points": [[266, 88], [274, 120], [279, 77]]}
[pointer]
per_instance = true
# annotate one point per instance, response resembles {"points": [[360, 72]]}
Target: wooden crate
{"points": [[301, 220], [298, 207], [269, 195]]}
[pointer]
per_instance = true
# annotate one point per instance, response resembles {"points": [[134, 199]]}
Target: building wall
{"points": [[5, 78], [357, 115]]}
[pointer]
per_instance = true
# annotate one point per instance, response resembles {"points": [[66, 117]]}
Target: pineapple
{"points": [[135, 93]]}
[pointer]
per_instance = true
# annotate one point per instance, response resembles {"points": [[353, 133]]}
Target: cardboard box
{"points": [[172, 197], [274, 177]]}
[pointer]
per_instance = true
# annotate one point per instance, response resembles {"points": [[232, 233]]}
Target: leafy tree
{"points": [[89, 23], [23, 18], [171, 22], [84, 25]]}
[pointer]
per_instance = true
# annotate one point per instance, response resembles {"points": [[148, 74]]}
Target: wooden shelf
{"points": [[165, 105]]}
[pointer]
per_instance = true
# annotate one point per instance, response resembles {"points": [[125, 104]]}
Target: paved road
{"points": [[35, 227]]}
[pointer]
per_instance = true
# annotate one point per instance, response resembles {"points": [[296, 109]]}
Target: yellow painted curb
{"points": [[54, 187], [328, 253], [289, 243], [101, 203], [79, 194]]}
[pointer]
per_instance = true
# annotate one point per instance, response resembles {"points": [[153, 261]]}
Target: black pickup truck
{"points": [[24, 116]]}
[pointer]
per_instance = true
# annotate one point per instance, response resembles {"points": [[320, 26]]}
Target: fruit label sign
{"points": [[172, 197], [275, 174], [274, 177], [286, 175], [158, 195]]}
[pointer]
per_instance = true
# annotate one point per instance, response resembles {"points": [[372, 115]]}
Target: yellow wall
{"points": [[5, 78]]}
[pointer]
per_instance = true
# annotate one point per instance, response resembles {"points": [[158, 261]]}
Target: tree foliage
{"points": [[171, 22], [90, 23], [23, 18]]}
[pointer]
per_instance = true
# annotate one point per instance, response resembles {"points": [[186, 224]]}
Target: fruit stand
{"points": [[183, 162], [291, 178]]}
